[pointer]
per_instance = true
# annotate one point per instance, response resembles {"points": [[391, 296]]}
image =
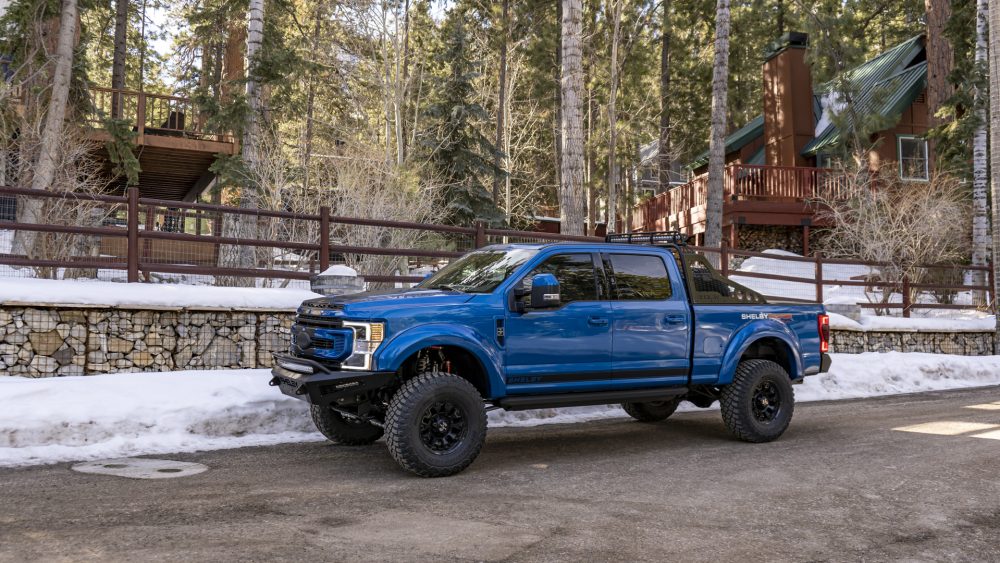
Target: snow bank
{"points": [[899, 324], [89, 292], [81, 418]]}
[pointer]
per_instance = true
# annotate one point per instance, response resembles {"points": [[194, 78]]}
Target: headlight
{"points": [[367, 338]]}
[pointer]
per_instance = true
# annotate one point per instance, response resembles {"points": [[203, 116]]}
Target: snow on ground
{"points": [[6, 241], [90, 292], [923, 319], [92, 417]]}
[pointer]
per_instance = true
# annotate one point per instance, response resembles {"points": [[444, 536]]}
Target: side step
{"points": [[519, 403]]}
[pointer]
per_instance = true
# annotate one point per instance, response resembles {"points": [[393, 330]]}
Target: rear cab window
{"points": [[638, 277]]}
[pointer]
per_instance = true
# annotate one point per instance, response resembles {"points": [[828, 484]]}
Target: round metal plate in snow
{"points": [[141, 468]]}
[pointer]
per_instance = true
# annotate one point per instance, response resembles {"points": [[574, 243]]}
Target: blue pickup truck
{"points": [[639, 320]]}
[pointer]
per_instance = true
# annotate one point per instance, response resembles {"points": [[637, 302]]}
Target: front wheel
{"points": [[652, 411], [343, 430], [435, 425], [757, 406]]}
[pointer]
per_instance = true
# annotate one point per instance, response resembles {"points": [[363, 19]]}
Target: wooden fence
{"points": [[143, 237]]}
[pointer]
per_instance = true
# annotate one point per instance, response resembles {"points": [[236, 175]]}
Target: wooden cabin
{"points": [[780, 160]]}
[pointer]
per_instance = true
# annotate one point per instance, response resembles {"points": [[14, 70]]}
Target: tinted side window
{"points": [[575, 272], [638, 277]]}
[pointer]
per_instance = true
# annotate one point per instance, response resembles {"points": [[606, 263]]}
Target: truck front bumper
{"points": [[315, 383]]}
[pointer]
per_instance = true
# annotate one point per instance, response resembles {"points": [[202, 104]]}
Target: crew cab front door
{"points": [[566, 348], [651, 321]]}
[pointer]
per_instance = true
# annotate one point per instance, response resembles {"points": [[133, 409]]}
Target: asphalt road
{"points": [[841, 485]]}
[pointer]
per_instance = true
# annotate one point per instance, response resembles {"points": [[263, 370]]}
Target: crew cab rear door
{"points": [[567, 348], [651, 320]]}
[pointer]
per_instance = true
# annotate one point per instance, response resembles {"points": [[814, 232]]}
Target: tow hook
{"points": [[274, 381]]}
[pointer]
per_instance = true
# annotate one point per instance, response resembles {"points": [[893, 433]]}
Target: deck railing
{"points": [[152, 114], [683, 205]]}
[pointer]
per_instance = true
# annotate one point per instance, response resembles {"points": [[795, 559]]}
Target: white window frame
{"points": [[899, 157]]}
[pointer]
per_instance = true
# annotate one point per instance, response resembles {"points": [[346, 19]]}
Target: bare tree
{"points": [[571, 188], [502, 100], [717, 141], [75, 172], [51, 135], [367, 187], [994, 62], [980, 206], [879, 218]]}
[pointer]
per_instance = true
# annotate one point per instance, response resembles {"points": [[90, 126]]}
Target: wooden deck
{"points": [[175, 148], [754, 195]]}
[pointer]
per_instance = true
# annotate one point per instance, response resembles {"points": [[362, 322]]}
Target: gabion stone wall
{"points": [[960, 343], [45, 341]]}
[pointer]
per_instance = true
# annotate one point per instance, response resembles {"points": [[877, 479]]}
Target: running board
{"points": [[519, 403]]}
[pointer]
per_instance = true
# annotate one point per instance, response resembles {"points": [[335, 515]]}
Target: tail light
{"points": [[824, 333]]}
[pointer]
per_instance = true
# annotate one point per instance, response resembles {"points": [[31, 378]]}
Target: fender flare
{"points": [[753, 332], [391, 355]]}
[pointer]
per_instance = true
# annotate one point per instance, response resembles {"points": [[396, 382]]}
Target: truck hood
{"points": [[378, 303]]}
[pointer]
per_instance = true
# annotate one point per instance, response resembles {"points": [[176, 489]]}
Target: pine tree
{"points": [[459, 152]]}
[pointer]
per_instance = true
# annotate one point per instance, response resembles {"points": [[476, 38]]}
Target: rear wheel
{"points": [[435, 425], [344, 430], [652, 411], [757, 406]]}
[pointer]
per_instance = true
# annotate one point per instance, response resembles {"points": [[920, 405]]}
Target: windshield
{"points": [[478, 272]]}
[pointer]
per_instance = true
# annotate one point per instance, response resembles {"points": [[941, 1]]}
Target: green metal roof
{"points": [[757, 159], [886, 86], [736, 140]]}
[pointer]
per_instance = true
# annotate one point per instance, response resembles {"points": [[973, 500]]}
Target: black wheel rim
{"points": [[766, 401], [442, 427]]}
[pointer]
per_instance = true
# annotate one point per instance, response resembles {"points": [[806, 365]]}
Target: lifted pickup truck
{"points": [[639, 320]]}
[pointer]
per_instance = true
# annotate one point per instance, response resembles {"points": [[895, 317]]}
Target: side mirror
{"points": [[544, 291]]}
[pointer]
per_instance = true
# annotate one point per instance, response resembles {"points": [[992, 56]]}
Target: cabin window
{"points": [[913, 161]]}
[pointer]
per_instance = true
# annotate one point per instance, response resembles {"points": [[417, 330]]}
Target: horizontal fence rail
{"points": [[157, 240], [136, 239]]}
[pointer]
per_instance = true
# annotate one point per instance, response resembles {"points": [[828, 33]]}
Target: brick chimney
{"points": [[789, 123]]}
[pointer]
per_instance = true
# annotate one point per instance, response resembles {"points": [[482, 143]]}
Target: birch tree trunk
{"points": [[613, 120], [994, 63], [501, 102], [255, 36], [118, 59], [663, 157], [717, 141], [307, 144], [571, 189], [29, 210], [980, 208]]}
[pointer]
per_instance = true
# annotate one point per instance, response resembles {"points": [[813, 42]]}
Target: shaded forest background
{"points": [[460, 99]]}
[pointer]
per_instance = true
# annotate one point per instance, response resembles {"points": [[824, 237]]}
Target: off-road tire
{"points": [[652, 411], [342, 430], [740, 401], [411, 412]]}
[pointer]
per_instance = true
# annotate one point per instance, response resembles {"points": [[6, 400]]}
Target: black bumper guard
{"points": [[324, 386]]}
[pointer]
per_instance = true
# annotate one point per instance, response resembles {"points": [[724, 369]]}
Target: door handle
{"points": [[675, 319], [597, 321]]}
